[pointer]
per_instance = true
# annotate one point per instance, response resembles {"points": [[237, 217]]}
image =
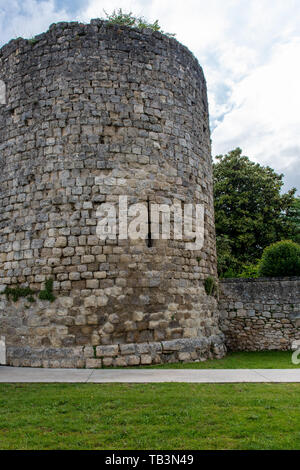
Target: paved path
{"points": [[34, 375]]}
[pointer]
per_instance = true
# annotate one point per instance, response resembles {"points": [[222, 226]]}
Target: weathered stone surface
{"points": [[133, 360], [143, 348], [295, 345], [93, 363], [184, 356], [146, 359], [127, 349], [112, 350]]}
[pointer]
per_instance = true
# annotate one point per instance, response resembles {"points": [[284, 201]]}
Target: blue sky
{"points": [[249, 50]]}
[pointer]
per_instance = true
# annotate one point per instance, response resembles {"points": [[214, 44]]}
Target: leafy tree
{"points": [[250, 211], [294, 219], [228, 265], [128, 19]]}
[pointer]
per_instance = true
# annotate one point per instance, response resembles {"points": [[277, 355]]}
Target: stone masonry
{"points": [[260, 314], [94, 112]]}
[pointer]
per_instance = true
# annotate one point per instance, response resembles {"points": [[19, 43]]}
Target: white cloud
{"points": [[265, 112], [26, 19]]}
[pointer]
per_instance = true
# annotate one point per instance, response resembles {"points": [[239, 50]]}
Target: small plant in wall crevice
{"points": [[211, 286], [47, 293], [15, 293]]}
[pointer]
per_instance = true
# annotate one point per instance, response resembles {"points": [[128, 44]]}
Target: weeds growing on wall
{"points": [[211, 286], [15, 293], [47, 293], [128, 19]]}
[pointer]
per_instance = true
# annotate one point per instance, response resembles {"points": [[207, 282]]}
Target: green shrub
{"points": [[280, 259]]}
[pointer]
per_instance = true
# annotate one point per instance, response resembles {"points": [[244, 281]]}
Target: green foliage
{"points": [[47, 293], [249, 271], [128, 19], [245, 271], [17, 292], [227, 263], [230, 273], [281, 259], [33, 41], [211, 286], [250, 211], [49, 285], [293, 217]]}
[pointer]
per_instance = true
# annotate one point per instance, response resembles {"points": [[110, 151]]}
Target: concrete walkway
{"points": [[37, 375]]}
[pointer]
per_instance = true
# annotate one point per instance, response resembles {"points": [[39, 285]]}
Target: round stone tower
{"points": [[94, 112]]}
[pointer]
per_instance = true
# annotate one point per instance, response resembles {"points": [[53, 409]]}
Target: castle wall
{"points": [[95, 112], [260, 314]]}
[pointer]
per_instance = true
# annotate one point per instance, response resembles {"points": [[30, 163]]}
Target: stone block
{"points": [[109, 350], [146, 359], [93, 363], [127, 349]]}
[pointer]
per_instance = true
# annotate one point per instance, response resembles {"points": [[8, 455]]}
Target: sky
{"points": [[249, 51]]}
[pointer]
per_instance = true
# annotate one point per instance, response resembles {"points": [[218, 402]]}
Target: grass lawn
{"points": [[150, 416], [240, 360]]}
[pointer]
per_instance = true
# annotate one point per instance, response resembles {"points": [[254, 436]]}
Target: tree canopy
{"points": [[294, 219], [251, 212]]}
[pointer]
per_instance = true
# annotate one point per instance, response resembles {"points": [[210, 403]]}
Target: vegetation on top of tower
{"points": [[128, 19]]}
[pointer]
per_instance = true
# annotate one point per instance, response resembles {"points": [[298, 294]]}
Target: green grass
{"points": [[239, 360], [150, 416]]}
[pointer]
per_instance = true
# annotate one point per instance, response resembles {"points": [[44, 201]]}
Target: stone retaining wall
{"points": [[260, 314]]}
